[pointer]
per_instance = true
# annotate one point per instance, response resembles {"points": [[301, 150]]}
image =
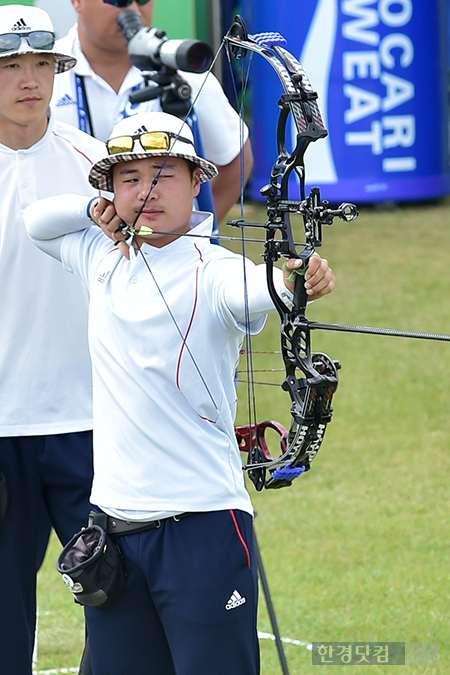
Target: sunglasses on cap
{"points": [[124, 3], [149, 140], [37, 39]]}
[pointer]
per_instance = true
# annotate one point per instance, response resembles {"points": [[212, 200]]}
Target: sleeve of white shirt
{"points": [[255, 290], [244, 298], [60, 227], [47, 221]]}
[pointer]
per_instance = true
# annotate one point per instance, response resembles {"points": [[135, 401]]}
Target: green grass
{"points": [[61, 621], [358, 549]]}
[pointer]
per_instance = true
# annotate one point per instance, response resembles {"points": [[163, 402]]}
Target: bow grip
{"points": [[300, 295]]}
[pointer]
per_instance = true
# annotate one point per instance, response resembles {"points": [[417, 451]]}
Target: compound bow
{"points": [[311, 393]]}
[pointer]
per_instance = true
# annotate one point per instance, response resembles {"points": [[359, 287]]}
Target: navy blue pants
{"points": [[190, 602], [48, 477]]}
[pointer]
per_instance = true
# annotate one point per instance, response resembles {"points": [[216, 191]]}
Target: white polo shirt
{"points": [[165, 332], [45, 382], [221, 128]]}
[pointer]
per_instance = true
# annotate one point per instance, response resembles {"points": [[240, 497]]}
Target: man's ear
{"points": [[196, 181], [76, 5]]}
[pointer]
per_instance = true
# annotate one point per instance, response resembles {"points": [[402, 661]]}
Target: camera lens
{"points": [[191, 56], [198, 57]]}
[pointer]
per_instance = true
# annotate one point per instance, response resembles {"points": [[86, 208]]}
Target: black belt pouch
{"points": [[91, 565]]}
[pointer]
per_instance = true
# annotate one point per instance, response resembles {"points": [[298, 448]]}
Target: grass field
{"points": [[358, 549]]}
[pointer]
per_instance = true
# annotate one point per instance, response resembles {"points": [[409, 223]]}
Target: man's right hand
{"points": [[103, 213]]}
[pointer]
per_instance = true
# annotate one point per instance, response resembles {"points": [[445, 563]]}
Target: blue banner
{"points": [[380, 69]]}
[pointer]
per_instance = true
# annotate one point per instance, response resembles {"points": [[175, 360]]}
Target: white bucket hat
{"points": [[163, 135], [33, 25]]}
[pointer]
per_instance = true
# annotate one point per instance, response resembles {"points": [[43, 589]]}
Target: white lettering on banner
{"points": [[374, 138], [365, 18], [403, 134], [361, 64], [403, 129], [399, 164], [396, 18], [394, 50], [398, 91], [396, 41], [362, 103]]}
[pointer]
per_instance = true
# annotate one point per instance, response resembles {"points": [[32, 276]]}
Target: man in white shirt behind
{"points": [[45, 370], [99, 87]]}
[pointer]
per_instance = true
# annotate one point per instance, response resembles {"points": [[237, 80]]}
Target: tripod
{"points": [[271, 609]]}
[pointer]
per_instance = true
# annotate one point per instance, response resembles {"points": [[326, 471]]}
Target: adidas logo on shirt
{"points": [[236, 600], [65, 100], [20, 25]]}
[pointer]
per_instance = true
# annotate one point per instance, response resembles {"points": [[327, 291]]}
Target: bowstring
{"points": [[180, 333], [250, 382]]}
